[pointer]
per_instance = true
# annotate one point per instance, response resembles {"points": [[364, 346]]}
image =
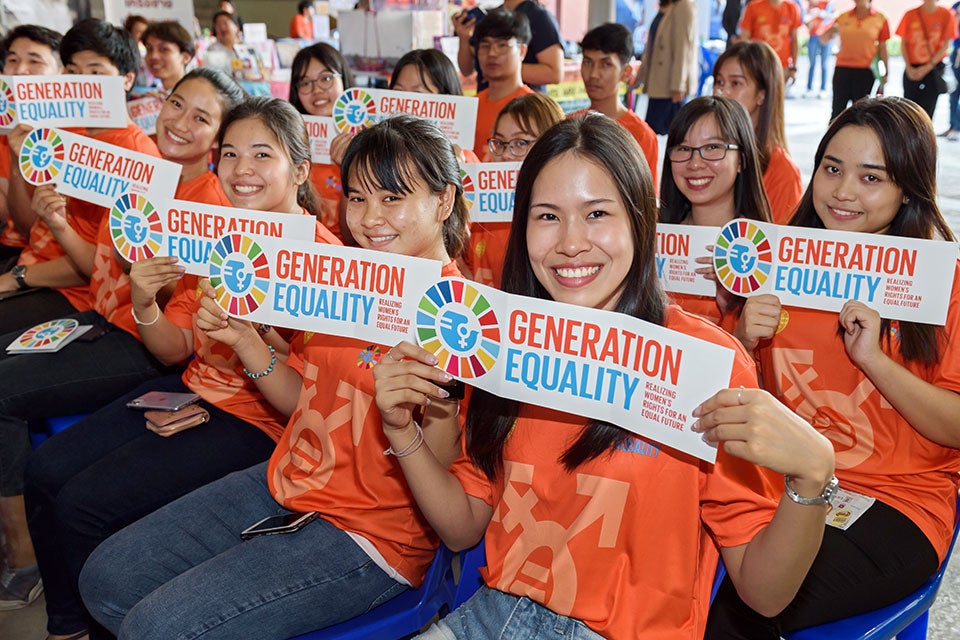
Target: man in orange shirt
{"points": [[607, 51], [301, 26], [774, 22], [502, 38], [925, 33]]}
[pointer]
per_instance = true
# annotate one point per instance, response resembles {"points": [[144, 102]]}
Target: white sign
{"points": [[488, 188], [116, 11], [144, 112], [94, 171], [900, 278], [678, 247], [65, 100], [321, 130]]}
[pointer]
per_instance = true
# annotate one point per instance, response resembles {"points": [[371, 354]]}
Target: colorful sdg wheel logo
{"points": [[41, 157], [48, 333], [7, 108], [457, 324], [469, 189], [742, 257], [240, 274], [135, 228], [354, 110]]}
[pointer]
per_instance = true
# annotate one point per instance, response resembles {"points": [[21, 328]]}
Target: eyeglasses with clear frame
{"points": [[518, 146], [324, 81], [713, 151], [496, 46]]}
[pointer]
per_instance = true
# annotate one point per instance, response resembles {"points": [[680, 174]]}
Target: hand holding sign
{"points": [[753, 425], [51, 207], [759, 320], [861, 337], [218, 325], [405, 378], [148, 277]]}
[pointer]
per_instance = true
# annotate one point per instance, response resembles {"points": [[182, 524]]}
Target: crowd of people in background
{"points": [[389, 462]]}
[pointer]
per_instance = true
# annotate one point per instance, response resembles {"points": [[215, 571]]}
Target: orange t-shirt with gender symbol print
{"points": [[773, 25], [110, 284], [626, 542], [84, 217], [216, 373], [330, 459], [878, 453]]}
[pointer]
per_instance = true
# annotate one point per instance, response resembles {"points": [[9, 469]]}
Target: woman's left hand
{"points": [[861, 333], [406, 377], [338, 147], [707, 271], [51, 207], [753, 425]]}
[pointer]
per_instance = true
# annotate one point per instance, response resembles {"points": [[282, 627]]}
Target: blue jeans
{"points": [[183, 572], [955, 94], [815, 49], [491, 614]]}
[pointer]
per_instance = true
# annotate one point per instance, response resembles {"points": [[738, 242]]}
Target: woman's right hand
{"points": [[219, 326], [15, 139], [148, 277], [758, 320], [406, 377], [463, 25]]}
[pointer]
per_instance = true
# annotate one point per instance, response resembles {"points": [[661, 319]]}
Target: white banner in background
{"points": [[900, 278]]}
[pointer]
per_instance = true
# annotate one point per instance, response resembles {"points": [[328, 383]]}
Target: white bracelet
{"points": [[141, 322], [410, 448]]}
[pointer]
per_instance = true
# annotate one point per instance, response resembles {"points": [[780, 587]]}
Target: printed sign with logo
{"points": [[594, 363], [456, 116], [678, 247], [8, 110], [144, 112], [321, 130], [342, 291], [488, 189], [900, 278], [188, 231], [94, 171], [69, 100]]}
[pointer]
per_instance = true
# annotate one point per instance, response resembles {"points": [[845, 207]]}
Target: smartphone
{"points": [[94, 333], [163, 400], [455, 388], [477, 14], [288, 523]]}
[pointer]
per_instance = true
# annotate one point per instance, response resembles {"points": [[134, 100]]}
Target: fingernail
{"points": [[446, 377], [695, 427], [696, 412], [432, 359], [443, 393]]}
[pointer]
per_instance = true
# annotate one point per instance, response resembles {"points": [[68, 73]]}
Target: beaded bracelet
{"points": [[265, 372], [410, 448]]}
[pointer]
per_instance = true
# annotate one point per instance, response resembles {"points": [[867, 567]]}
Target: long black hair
{"points": [[910, 156], [600, 140]]}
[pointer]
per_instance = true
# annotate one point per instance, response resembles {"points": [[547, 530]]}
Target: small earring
{"points": [[906, 199]]}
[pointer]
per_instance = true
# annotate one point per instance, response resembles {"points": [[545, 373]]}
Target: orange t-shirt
{"points": [[781, 182], [773, 25], [642, 133], [109, 284], [9, 237], [706, 307], [487, 112], [84, 217], [301, 27], [326, 180], [860, 38], [487, 251], [878, 453], [919, 47], [216, 373], [337, 468], [650, 517]]}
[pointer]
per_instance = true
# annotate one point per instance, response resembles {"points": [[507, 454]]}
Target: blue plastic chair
{"points": [[904, 620], [403, 615], [53, 427], [470, 581]]}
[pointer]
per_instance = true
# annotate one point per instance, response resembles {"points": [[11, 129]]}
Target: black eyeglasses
{"points": [[518, 146], [712, 151], [324, 80]]}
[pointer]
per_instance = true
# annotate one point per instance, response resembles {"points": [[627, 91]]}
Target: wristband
{"points": [[265, 372], [141, 322], [410, 448]]}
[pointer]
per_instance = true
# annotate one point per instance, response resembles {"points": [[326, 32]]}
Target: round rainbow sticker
{"points": [[41, 157], [742, 256], [135, 228], [239, 273], [7, 108], [47, 334], [469, 190], [457, 324], [354, 110]]}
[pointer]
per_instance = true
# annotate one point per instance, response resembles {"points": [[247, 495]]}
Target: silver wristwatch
{"points": [[825, 497]]}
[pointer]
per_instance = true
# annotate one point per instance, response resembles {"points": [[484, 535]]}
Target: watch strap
{"points": [[825, 497]]}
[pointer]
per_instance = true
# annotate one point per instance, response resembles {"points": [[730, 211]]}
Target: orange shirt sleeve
{"points": [[783, 186]]}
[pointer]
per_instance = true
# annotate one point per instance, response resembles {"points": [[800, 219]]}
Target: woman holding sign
{"points": [[369, 542], [318, 76], [87, 469], [712, 175], [571, 494], [884, 392]]}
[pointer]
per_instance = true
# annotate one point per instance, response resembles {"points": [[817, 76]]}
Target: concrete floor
{"points": [[806, 122]]}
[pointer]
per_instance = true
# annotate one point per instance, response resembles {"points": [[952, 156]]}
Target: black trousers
{"points": [[849, 85], [881, 559], [923, 92]]}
